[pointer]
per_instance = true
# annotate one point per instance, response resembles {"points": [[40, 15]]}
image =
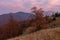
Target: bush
{"points": [[54, 18]]}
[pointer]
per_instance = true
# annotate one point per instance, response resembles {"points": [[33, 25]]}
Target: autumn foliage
{"points": [[15, 28]]}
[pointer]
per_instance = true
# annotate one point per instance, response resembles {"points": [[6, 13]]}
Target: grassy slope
{"points": [[55, 23], [46, 34]]}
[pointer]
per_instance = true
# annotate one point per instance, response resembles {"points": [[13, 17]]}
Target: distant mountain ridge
{"points": [[48, 13], [19, 16]]}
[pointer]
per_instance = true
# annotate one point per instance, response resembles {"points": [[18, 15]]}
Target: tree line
{"points": [[15, 28]]}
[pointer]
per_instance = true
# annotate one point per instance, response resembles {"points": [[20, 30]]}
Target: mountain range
{"points": [[19, 16]]}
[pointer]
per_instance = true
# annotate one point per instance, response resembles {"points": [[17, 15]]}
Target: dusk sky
{"points": [[7, 6]]}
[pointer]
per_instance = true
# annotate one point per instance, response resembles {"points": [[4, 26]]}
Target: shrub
{"points": [[54, 18]]}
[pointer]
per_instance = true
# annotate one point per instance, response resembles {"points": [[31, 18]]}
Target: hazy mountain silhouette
{"points": [[19, 16], [48, 13]]}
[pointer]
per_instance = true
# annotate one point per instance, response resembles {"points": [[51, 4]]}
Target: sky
{"points": [[7, 6]]}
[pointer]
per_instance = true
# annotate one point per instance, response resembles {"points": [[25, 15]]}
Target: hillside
{"points": [[45, 34], [55, 23], [48, 34]]}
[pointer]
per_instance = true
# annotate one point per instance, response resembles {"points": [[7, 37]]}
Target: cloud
{"points": [[13, 6], [53, 4], [26, 5]]}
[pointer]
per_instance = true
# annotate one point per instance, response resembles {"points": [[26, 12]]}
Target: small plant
{"points": [[54, 18]]}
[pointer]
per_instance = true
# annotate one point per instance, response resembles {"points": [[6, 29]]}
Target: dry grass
{"points": [[55, 23], [47, 34]]}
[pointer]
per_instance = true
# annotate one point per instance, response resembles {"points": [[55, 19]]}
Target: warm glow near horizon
{"points": [[25, 5]]}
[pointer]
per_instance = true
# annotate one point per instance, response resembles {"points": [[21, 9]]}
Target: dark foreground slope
{"points": [[48, 34], [45, 34]]}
